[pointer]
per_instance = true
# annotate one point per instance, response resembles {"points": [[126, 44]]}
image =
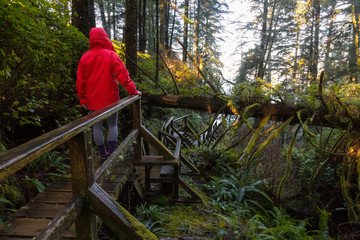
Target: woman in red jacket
{"points": [[99, 72]]}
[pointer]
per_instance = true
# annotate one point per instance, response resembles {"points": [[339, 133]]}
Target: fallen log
{"points": [[278, 111]]}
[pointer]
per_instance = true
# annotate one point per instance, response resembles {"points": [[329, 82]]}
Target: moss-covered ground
{"points": [[193, 220]]}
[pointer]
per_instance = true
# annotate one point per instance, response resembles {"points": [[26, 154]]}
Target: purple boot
{"points": [[111, 146], [103, 153]]}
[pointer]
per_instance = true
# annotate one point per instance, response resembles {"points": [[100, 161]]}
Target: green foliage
{"points": [[253, 92], [211, 161], [152, 216], [10, 197], [49, 167], [276, 225], [10, 194], [40, 51]]}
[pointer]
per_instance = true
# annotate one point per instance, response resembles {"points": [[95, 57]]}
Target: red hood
{"points": [[98, 36]]}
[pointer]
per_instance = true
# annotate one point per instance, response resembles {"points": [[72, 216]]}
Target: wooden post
{"points": [[82, 177], [147, 177], [171, 126], [124, 197], [137, 119], [176, 182]]}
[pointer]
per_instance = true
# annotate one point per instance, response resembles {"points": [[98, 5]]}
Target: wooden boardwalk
{"points": [[90, 195], [32, 218]]}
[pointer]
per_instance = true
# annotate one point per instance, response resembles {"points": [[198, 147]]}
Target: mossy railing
{"points": [[89, 199]]}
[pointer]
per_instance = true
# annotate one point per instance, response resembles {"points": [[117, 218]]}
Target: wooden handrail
{"points": [[18, 157], [89, 199], [180, 118]]}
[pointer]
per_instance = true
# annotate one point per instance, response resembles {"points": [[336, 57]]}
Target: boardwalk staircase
{"points": [[75, 207]]}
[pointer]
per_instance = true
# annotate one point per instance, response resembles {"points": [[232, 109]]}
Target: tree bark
{"points": [[315, 56], [185, 40], [83, 15], [172, 29], [157, 41], [327, 61], [142, 25], [166, 25], [260, 73], [131, 37], [102, 15]]}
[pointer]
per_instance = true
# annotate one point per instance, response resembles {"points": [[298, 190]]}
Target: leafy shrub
{"points": [[211, 161], [152, 217], [39, 54]]}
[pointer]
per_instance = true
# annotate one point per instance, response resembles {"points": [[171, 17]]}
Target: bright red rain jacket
{"points": [[99, 72]]}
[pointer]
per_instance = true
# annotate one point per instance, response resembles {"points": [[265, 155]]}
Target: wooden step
{"points": [[152, 161]]}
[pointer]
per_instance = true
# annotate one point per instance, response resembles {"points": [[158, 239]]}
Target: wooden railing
{"points": [[173, 133], [89, 199]]}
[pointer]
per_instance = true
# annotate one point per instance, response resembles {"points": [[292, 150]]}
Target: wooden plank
{"points": [[176, 182], [167, 171], [16, 238], [16, 158], [155, 163], [177, 149], [139, 189], [39, 210], [189, 189], [60, 186], [159, 146], [161, 179], [114, 159], [53, 197], [189, 164], [183, 137], [63, 220], [116, 217], [24, 227], [168, 135], [167, 124]]}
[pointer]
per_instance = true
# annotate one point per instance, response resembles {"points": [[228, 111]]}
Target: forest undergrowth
{"points": [[237, 207], [244, 202]]}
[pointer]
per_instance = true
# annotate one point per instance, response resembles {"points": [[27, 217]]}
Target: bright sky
{"points": [[231, 56]]}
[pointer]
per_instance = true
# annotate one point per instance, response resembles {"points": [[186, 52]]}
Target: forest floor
{"points": [[191, 222]]}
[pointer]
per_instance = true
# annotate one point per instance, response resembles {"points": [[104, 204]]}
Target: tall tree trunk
{"points": [[269, 42], [311, 51], [102, 15], [356, 32], [315, 59], [260, 72], [142, 25], [114, 18], [157, 41], [185, 41], [327, 62], [108, 10], [152, 30], [172, 28], [131, 37], [295, 65], [166, 26], [83, 15], [162, 27], [196, 33]]}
